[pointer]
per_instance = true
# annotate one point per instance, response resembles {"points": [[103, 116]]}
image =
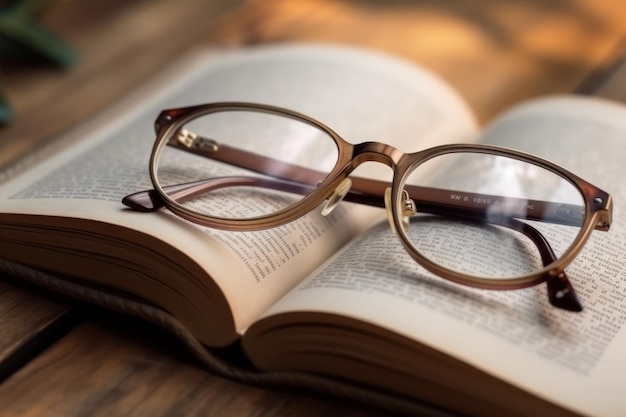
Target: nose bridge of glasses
{"points": [[376, 152], [391, 156]]}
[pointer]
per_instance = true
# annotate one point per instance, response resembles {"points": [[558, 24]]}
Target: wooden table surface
{"points": [[60, 358]]}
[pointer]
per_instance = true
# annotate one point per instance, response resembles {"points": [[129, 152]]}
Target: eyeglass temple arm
{"points": [[435, 201], [561, 294], [371, 192]]}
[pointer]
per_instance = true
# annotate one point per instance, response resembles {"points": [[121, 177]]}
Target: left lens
{"points": [[274, 161], [491, 216]]}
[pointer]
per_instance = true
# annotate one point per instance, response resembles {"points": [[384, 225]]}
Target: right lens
{"points": [[491, 216], [290, 157]]}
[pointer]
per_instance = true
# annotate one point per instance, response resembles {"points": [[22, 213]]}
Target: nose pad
{"points": [[338, 194], [408, 206], [407, 210]]}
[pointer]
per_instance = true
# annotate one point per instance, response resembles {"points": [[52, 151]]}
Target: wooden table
{"points": [[61, 358]]}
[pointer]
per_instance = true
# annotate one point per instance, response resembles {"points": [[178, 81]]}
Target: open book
{"points": [[334, 300]]}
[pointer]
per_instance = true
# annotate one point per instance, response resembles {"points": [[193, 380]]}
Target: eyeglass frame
{"points": [[334, 186]]}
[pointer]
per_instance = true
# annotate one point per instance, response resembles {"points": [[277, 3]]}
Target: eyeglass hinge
{"points": [[190, 140]]}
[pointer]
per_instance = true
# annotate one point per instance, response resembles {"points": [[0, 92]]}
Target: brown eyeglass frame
{"points": [[334, 186]]}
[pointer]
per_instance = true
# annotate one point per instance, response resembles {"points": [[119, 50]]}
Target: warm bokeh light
{"points": [[495, 53]]}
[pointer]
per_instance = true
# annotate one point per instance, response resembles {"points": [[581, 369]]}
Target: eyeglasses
{"points": [[478, 215]]}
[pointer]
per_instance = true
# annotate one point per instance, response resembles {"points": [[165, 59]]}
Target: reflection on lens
{"points": [[278, 147], [491, 216]]}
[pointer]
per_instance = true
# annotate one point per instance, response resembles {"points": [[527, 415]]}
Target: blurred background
{"points": [[71, 58]]}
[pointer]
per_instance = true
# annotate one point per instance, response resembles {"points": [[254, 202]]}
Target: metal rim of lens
{"points": [[413, 161], [289, 213]]}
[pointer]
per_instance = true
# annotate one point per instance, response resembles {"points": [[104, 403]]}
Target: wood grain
{"points": [[120, 367], [28, 322]]}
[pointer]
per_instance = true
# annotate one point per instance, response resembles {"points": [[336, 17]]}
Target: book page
{"points": [[362, 95], [575, 360]]}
